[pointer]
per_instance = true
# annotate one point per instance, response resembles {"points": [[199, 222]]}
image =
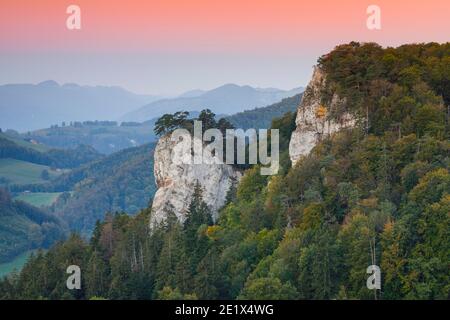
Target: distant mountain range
{"points": [[25, 107], [28, 107], [227, 99]]}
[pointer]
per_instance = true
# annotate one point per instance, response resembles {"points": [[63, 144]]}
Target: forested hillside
{"points": [[96, 184], [23, 227], [121, 182], [104, 136], [261, 118], [375, 194], [58, 158]]}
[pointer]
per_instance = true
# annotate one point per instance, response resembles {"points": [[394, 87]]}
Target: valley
{"points": [[73, 198], [79, 171], [13, 171]]}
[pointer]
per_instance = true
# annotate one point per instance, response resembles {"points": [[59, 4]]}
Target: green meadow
{"points": [[22, 172], [39, 199], [23, 143]]}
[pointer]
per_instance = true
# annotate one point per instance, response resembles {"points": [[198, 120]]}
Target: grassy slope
{"points": [[39, 199], [22, 172], [23, 143]]}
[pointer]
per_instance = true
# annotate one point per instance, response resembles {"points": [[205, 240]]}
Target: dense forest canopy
{"points": [[404, 89], [375, 194]]}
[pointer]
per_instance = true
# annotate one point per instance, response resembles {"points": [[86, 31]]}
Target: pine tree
{"points": [[170, 256], [96, 276], [196, 241]]}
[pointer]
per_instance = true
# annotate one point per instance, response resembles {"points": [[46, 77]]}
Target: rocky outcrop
{"points": [[312, 121], [176, 180]]}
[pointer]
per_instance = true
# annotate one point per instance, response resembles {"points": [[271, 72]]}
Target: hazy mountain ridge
{"points": [[33, 106], [227, 99]]}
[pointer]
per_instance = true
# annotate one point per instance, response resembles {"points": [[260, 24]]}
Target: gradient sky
{"points": [[170, 46]]}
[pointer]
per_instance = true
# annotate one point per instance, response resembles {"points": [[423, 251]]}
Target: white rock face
{"points": [[176, 180], [312, 123]]}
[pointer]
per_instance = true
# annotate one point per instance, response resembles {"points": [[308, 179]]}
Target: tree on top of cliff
{"points": [[207, 117], [170, 122]]}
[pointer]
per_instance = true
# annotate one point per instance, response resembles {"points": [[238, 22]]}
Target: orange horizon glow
{"points": [[248, 26], [172, 46]]}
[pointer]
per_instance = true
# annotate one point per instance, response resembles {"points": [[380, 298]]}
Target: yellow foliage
{"points": [[321, 111], [211, 232], [369, 203]]}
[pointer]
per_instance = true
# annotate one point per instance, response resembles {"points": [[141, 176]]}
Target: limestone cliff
{"points": [[312, 121], [176, 180]]}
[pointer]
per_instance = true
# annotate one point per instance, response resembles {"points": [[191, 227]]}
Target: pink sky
{"points": [[262, 30]]}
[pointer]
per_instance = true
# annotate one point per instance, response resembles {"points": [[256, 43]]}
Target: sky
{"points": [[171, 46]]}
